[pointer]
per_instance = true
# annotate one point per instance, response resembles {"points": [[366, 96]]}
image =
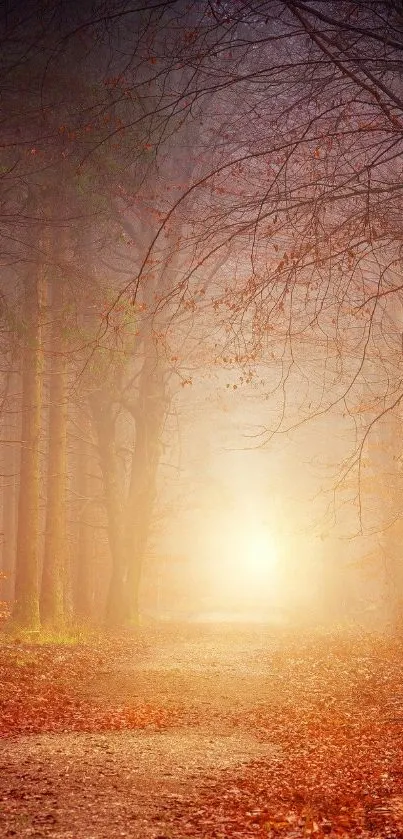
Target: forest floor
{"points": [[215, 731]]}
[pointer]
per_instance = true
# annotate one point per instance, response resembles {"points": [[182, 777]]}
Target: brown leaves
{"points": [[340, 770], [37, 698], [330, 709]]}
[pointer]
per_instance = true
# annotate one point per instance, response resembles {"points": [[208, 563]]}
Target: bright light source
{"points": [[244, 562], [252, 559], [255, 554]]}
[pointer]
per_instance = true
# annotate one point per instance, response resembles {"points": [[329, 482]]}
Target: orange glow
{"points": [[245, 567]]}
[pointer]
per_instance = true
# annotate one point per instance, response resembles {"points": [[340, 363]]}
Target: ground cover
{"points": [[203, 732]]}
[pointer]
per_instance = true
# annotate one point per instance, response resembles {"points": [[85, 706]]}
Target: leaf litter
{"points": [[204, 733]]}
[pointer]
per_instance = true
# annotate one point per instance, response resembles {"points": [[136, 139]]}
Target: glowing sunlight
{"points": [[254, 556], [244, 560]]}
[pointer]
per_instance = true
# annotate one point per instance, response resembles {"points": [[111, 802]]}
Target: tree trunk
{"points": [[26, 607], [9, 523], [53, 571], [10, 468], [150, 415], [116, 605], [84, 584]]}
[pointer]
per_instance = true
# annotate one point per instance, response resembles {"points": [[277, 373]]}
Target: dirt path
{"points": [[120, 784], [268, 738], [211, 671]]}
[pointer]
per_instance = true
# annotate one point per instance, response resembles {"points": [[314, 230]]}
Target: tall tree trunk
{"points": [[53, 571], [26, 607], [116, 605], [84, 583], [150, 415], [9, 522], [10, 468], [384, 451]]}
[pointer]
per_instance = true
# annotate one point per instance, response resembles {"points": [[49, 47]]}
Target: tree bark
{"points": [[9, 511], [26, 607], [84, 583], [150, 415], [116, 605], [53, 571]]}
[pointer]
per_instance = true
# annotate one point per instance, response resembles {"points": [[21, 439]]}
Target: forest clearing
{"points": [[214, 731]]}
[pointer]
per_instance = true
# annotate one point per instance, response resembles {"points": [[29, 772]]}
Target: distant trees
{"points": [[306, 191], [167, 168], [84, 180]]}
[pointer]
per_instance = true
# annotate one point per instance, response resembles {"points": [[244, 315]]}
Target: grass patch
{"points": [[73, 635]]}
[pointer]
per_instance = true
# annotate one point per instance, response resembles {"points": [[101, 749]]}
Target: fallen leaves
{"points": [[38, 695], [331, 707]]}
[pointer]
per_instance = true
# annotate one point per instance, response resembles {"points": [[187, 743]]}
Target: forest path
{"points": [[209, 670], [184, 732]]}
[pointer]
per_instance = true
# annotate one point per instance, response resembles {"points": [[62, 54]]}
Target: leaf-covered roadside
{"points": [[40, 692], [336, 714], [337, 776]]}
